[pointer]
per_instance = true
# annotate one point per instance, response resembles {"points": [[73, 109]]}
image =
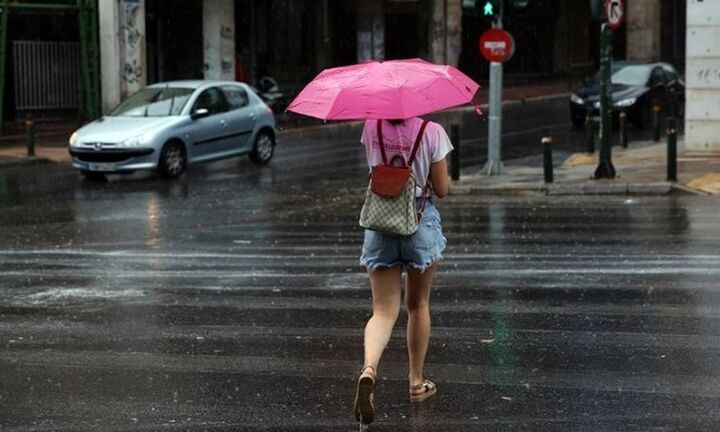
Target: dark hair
{"points": [[396, 122]]}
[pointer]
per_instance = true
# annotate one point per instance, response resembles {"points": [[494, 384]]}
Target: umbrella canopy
{"points": [[396, 89]]}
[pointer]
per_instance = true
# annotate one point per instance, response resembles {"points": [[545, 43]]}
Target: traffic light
{"points": [[493, 8]]}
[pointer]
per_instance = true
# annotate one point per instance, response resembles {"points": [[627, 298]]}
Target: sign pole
{"points": [[605, 168], [494, 165], [614, 17]]}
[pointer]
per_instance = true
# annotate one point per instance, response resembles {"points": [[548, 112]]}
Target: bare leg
{"points": [[417, 299], [385, 284]]}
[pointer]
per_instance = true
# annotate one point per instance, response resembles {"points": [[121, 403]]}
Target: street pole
{"points": [[455, 155], [494, 164], [605, 169], [547, 155], [672, 150]]}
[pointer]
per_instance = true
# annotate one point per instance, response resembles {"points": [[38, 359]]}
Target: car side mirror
{"points": [[199, 113]]}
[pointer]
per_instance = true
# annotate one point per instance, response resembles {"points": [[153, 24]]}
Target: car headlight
{"points": [[576, 99], [625, 102], [73, 141], [137, 141]]}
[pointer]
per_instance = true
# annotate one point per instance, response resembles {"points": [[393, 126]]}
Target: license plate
{"points": [[102, 167]]}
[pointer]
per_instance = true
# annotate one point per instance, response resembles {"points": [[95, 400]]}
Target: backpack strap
{"points": [[417, 143], [380, 141]]}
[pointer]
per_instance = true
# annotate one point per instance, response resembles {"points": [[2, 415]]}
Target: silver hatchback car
{"points": [[167, 126]]}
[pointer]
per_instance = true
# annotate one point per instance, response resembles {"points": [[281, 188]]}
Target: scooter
{"points": [[269, 91]]}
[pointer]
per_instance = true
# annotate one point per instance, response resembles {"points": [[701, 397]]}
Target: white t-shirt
{"points": [[399, 139]]}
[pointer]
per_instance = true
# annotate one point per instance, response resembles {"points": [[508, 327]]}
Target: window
{"points": [[154, 102], [212, 100], [236, 97], [670, 73], [657, 77], [633, 75]]}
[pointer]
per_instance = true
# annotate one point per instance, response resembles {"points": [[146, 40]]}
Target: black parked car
{"points": [[635, 89]]}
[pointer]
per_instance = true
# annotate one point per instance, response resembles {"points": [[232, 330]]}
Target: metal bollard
{"points": [[455, 155], [30, 129], [623, 129], [672, 150], [547, 155], [590, 129], [656, 122]]}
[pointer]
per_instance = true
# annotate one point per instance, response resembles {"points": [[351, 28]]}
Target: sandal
{"points": [[363, 408], [422, 391]]}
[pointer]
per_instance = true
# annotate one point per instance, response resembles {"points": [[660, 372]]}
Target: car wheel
{"points": [[93, 175], [173, 160], [263, 148]]}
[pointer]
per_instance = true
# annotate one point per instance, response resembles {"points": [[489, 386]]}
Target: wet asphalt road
{"points": [[232, 299]]}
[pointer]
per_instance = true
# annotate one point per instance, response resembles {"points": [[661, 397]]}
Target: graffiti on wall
{"points": [[708, 75], [227, 49], [131, 40], [378, 30], [219, 40], [364, 46], [132, 72], [371, 38]]}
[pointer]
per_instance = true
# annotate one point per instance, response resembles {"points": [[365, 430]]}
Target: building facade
{"points": [[146, 41], [702, 97]]}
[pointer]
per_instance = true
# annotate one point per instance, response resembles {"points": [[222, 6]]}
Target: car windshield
{"points": [[154, 102], [631, 75]]}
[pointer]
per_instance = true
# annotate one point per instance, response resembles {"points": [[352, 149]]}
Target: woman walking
{"points": [[386, 256]]}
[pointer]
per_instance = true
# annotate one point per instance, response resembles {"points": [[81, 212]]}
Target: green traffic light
{"points": [[488, 10]]}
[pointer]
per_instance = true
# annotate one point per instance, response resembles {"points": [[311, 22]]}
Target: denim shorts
{"points": [[419, 250]]}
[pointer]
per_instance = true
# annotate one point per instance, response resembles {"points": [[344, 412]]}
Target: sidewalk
{"points": [[640, 169], [17, 156]]}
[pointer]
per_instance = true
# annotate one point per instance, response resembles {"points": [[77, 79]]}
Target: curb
{"points": [[616, 189], [688, 190], [17, 162]]}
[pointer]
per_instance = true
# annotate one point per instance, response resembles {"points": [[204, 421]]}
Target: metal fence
{"points": [[47, 74]]}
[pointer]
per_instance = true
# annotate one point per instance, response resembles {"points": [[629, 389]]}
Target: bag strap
{"points": [[426, 193], [416, 145], [418, 139]]}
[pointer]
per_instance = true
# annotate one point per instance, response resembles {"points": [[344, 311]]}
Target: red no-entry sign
{"points": [[496, 45], [615, 12]]}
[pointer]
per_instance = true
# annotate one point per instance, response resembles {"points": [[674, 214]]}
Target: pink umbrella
{"points": [[396, 89]]}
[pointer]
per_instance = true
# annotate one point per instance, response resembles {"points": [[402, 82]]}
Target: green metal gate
{"points": [[87, 13]]}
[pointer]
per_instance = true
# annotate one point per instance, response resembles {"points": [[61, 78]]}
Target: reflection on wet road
{"points": [[232, 300]]}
